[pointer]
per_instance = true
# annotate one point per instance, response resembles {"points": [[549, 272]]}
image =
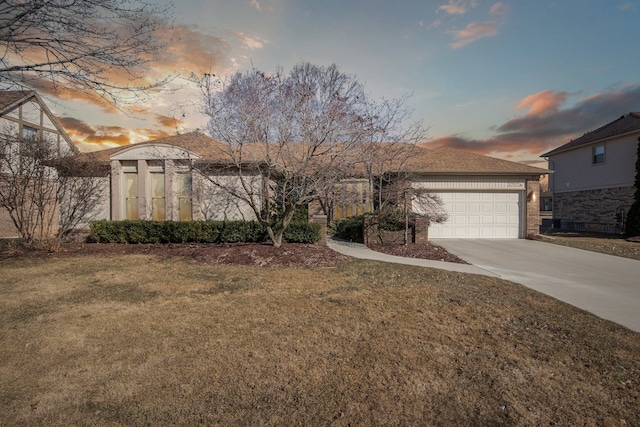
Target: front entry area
{"points": [[479, 215]]}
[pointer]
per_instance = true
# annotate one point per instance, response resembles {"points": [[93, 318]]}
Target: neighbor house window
{"points": [[598, 154], [29, 133]]}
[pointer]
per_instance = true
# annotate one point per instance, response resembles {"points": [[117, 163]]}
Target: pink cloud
{"points": [[543, 102], [548, 124], [499, 9], [456, 7], [473, 32]]}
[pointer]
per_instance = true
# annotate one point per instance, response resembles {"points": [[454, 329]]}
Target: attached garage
{"points": [[482, 197], [478, 215]]}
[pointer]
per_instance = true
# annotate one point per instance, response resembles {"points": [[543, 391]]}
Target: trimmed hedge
{"points": [[196, 231], [351, 228]]}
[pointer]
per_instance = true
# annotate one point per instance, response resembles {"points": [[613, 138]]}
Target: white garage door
{"points": [[479, 215]]}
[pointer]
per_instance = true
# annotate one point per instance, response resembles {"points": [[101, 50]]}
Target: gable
{"points": [[155, 152], [25, 109]]}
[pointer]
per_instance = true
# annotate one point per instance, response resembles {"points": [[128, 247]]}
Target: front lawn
{"points": [[146, 340]]}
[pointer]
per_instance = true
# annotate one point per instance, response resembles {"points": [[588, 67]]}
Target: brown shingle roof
{"points": [[625, 124], [447, 160], [208, 148], [10, 98], [421, 160]]}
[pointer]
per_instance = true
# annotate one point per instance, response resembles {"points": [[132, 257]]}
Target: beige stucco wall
{"points": [[574, 170]]}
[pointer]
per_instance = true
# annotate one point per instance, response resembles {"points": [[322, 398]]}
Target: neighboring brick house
{"points": [[24, 115], [593, 179], [484, 197]]}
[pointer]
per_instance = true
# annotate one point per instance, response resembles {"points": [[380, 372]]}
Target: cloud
{"points": [[499, 9], [255, 4], [456, 7], [251, 43], [193, 51], [548, 124], [169, 122], [626, 6], [544, 101], [473, 32], [84, 133]]}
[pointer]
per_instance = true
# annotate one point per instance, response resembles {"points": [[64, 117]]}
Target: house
{"points": [[593, 182], [171, 179], [24, 117]]}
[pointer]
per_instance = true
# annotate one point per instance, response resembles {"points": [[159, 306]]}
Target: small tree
{"points": [[42, 203], [632, 227], [289, 136]]}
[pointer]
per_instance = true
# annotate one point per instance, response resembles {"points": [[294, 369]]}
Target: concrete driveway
{"points": [[604, 285]]}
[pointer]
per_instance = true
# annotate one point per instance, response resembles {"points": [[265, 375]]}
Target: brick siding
{"points": [[593, 210]]}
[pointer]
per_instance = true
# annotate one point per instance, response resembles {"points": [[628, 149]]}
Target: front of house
{"points": [[593, 180], [175, 178]]}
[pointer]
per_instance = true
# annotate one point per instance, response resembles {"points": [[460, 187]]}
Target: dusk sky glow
{"points": [[511, 79]]}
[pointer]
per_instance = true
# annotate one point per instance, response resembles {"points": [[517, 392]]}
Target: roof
{"points": [[451, 161], [420, 160], [9, 99], [626, 124], [209, 149]]}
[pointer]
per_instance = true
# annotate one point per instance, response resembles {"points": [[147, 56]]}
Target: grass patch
{"points": [[139, 340], [610, 244]]}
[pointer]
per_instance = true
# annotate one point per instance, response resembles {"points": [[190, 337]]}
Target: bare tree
{"points": [[82, 190], [28, 187], [101, 46], [287, 135], [43, 203], [292, 137]]}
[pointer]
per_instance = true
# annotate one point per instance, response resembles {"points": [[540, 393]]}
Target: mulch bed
{"points": [[261, 255], [418, 250]]}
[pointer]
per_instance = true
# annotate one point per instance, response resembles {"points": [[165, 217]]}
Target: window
{"points": [[184, 196], [131, 195], [130, 171], [351, 198], [157, 196], [29, 133], [597, 154]]}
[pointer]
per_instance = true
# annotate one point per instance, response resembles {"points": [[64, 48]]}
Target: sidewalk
{"points": [[358, 250]]}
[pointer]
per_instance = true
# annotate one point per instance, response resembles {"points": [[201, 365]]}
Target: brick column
{"points": [[321, 220], [533, 208], [421, 230]]}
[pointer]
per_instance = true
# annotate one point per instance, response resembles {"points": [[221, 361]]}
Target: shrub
{"points": [[195, 231], [351, 229], [302, 233], [633, 216]]}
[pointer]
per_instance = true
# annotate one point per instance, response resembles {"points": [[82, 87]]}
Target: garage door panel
{"points": [[479, 215]]}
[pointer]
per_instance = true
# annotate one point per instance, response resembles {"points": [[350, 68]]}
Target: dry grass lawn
{"points": [[610, 244], [142, 340]]}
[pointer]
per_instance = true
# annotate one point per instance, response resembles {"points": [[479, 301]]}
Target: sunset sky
{"points": [[511, 79]]}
